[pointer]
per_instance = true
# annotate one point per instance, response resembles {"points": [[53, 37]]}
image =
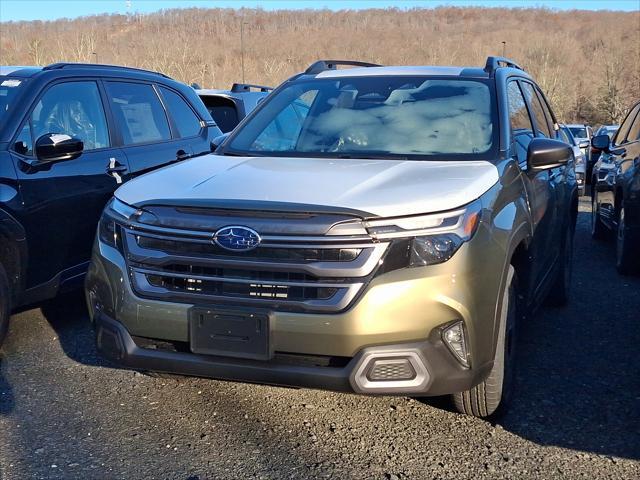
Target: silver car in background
{"points": [[583, 133], [579, 146]]}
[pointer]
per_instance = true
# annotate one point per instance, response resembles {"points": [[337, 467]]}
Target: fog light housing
{"points": [[390, 369], [454, 338]]}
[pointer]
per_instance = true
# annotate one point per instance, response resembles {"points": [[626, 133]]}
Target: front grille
{"points": [[291, 272], [293, 254], [262, 290]]}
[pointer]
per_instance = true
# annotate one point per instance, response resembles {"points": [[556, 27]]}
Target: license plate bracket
{"points": [[230, 333]]}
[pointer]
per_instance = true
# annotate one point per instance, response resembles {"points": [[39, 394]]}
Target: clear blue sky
{"points": [[53, 9]]}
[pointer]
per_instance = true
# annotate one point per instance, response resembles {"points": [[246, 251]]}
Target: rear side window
{"points": [[138, 113], [539, 118], [223, 111], [187, 123], [519, 121]]}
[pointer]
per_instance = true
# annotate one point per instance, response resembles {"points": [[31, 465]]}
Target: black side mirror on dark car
{"points": [[544, 153], [601, 142], [55, 147]]}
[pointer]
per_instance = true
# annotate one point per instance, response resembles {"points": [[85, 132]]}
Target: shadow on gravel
{"points": [[6, 393], [69, 318], [579, 374]]}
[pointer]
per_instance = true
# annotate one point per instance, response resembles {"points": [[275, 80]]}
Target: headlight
{"points": [[426, 239], [115, 214]]}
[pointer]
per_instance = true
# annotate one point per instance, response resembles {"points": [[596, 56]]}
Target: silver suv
{"points": [[378, 230]]}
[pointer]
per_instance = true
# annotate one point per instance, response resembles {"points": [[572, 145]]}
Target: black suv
{"points": [[616, 190], [69, 135]]}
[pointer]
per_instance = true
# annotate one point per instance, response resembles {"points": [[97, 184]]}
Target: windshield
{"points": [[579, 132], [9, 88], [372, 117]]}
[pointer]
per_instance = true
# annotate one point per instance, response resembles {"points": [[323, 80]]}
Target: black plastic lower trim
{"points": [[115, 343]]}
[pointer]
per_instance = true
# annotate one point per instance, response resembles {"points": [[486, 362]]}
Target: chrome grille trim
{"points": [[362, 266], [337, 302], [167, 271]]}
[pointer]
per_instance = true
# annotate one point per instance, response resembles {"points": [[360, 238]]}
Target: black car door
{"points": [[143, 127], [62, 201], [538, 186], [611, 168]]}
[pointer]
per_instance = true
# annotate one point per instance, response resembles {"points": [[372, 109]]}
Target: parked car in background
{"points": [[583, 133], [70, 134], [324, 246], [229, 107], [608, 130], [580, 163], [616, 191]]}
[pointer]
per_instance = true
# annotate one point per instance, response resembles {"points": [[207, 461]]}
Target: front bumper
{"points": [[437, 372], [399, 313]]}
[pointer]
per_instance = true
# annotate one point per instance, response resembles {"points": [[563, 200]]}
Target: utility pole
{"points": [[242, 24], [504, 48], [95, 55]]}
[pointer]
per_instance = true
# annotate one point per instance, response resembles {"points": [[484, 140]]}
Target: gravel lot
{"points": [[65, 413]]}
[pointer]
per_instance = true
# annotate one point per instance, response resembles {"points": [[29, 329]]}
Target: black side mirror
{"points": [[55, 147], [544, 153], [218, 141], [601, 142]]}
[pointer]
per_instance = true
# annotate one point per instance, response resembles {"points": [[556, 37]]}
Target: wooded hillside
{"points": [[588, 63]]}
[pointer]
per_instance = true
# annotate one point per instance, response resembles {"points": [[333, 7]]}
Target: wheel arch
{"points": [[13, 254]]}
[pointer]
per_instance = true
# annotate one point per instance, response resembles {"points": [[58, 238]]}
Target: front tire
{"points": [[626, 260], [493, 394], [5, 304]]}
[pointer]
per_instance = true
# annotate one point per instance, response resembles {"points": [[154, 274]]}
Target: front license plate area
{"points": [[230, 333]]}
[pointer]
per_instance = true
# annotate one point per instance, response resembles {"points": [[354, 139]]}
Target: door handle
{"points": [[181, 155], [115, 169]]}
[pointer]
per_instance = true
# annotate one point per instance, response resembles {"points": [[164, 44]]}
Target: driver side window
{"points": [[519, 121], [72, 108]]}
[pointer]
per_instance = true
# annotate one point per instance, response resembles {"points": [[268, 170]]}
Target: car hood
{"points": [[369, 187]]}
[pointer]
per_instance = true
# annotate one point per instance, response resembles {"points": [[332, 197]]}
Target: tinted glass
{"points": [[539, 117], [225, 116], [519, 121], [187, 122], [634, 131], [563, 135], [24, 142], [622, 133], [74, 108], [9, 88], [380, 117], [579, 132], [138, 112]]}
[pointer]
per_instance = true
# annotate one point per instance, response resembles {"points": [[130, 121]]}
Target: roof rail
{"points": [[61, 65], [246, 87], [322, 65], [494, 62]]}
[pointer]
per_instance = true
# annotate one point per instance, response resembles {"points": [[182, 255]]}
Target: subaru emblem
{"points": [[236, 238]]}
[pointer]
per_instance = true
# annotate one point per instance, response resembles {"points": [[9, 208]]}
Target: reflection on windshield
{"points": [[9, 87], [375, 115]]}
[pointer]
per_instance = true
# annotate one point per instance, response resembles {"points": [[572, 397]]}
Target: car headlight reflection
{"points": [[427, 239]]}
